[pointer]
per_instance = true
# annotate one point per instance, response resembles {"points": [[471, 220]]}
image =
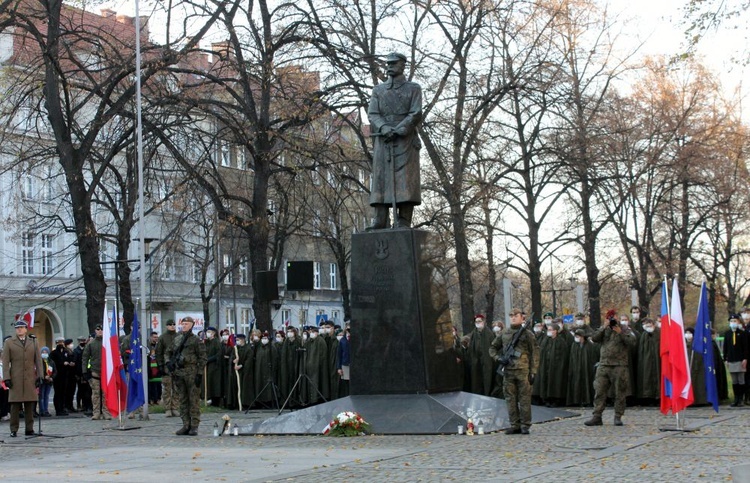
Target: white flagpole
{"points": [[141, 224]]}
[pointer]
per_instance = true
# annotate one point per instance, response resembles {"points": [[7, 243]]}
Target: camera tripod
{"points": [[274, 389], [297, 383]]}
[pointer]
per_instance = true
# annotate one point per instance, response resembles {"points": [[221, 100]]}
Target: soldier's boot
{"points": [[405, 213], [618, 420], [183, 431], [381, 219], [596, 420], [169, 413], [193, 429]]}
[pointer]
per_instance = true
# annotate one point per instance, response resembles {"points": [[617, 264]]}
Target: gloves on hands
{"points": [[8, 383]]}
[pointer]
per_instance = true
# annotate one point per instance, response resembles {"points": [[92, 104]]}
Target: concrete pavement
{"points": [[562, 450]]}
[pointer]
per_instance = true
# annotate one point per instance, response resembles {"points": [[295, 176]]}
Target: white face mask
{"points": [[256, 338], [322, 331], [649, 329], [279, 339], [577, 339], [313, 335], [745, 316], [579, 322], [305, 336], [45, 355], [635, 315], [688, 336], [550, 333], [210, 334], [225, 337], [70, 346], [339, 337], [264, 341], [496, 329], [537, 330], [547, 321], [240, 342], [624, 323], [479, 325], [733, 325], [658, 325], [290, 335]]}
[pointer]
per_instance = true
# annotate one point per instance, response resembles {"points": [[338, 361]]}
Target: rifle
{"points": [[507, 359]]}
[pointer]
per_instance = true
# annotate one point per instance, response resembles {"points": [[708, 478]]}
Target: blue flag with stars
{"points": [[136, 393], [703, 344]]}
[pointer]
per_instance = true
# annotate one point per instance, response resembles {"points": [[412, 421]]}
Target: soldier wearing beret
{"points": [[22, 374], [186, 360]]}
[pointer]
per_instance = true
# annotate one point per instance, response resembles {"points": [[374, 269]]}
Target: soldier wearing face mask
{"points": [[316, 369], [333, 349], [266, 370], [553, 372], [582, 360], [636, 318], [736, 351], [482, 364], [215, 356], [289, 364], [697, 371], [648, 376], [540, 334]]}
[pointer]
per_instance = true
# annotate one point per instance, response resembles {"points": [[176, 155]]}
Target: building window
{"points": [[48, 191], [303, 316], [227, 261], [241, 157], [316, 275], [244, 321], [335, 314], [229, 316], [47, 254], [334, 280], [27, 187], [197, 272], [286, 316], [167, 268], [316, 223], [27, 244], [226, 156], [244, 278], [283, 275]]}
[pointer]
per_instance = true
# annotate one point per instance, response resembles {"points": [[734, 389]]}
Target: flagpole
{"points": [[141, 223]]}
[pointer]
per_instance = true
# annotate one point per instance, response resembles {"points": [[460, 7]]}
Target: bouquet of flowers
{"points": [[347, 423]]}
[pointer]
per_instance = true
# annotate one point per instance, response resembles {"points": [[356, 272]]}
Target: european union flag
{"points": [[702, 344], [136, 393]]}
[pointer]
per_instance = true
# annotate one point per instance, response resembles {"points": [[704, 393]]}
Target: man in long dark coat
{"points": [[289, 365], [266, 368], [580, 390], [482, 365], [697, 371], [22, 370], [648, 376], [215, 357], [316, 368], [554, 384]]}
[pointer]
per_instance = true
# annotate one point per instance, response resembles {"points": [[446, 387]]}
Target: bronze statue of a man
{"points": [[395, 112]]}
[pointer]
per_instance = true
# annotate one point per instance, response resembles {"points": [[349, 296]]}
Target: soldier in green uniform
{"points": [[92, 364], [519, 374], [168, 398], [186, 361], [616, 342]]}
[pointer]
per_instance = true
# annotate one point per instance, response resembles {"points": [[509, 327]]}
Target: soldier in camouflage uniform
{"points": [[92, 367], [186, 359], [519, 374], [168, 396], [616, 341]]}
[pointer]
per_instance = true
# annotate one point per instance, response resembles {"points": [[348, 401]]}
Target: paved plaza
{"points": [[563, 450]]}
